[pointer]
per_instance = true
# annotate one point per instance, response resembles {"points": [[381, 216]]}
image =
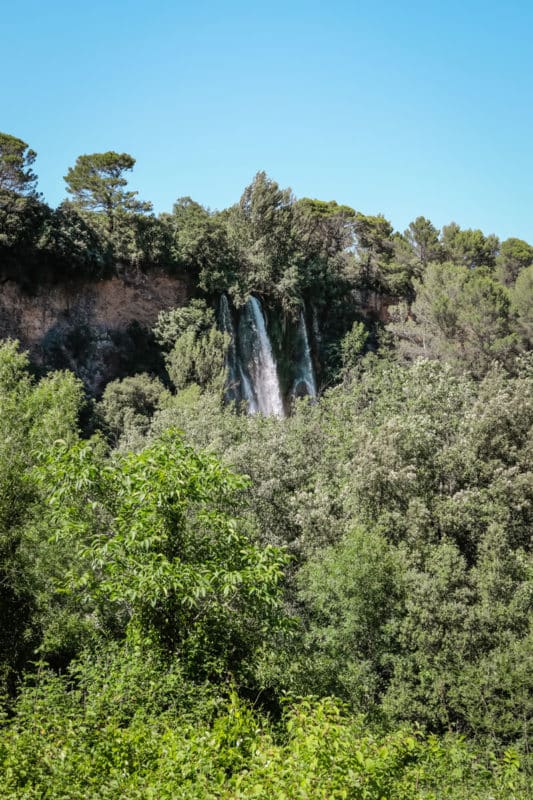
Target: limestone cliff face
{"points": [[375, 306], [93, 328], [101, 330]]}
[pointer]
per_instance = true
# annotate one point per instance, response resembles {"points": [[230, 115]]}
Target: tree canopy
{"points": [[204, 602], [16, 161], [97, 183], [383, 649]]}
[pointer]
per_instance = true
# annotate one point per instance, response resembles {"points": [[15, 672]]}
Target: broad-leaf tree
{"points": [[159, 545]]}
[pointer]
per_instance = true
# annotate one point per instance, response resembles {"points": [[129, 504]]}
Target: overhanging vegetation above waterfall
{"points": [[455, 295]]}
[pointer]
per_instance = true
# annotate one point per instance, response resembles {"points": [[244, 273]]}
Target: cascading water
{"points": [[304, 382], [259, 377], [248, 392], [232, 392], [251, 368]]}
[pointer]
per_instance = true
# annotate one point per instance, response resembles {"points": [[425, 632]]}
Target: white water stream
{"points": [[259, 376], [305, 382]]}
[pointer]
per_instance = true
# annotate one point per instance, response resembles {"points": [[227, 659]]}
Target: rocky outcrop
{"points": [[375, 306], [106, 304], [91, 327]]}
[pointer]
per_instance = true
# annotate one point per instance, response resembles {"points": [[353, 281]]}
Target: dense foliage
{"points": [[456, 294], [199, 603]]}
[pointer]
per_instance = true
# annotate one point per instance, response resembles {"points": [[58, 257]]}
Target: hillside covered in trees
{"points": [[205, 593]]}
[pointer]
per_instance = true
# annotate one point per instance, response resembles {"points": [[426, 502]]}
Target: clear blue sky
{"points": [[403, 108]]}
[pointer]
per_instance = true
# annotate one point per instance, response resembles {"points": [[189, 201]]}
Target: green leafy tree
{"points": [[16, 161], [22, 221], [423, 237], [157, 542], [260, 232], [127, 406], [97, 183], [522, 301], [375, 250], [102, 736], [70, 244], [325, 237], [196, 347], [413, 251], [514, 256], [459, 315], [32, 416], [324, 229], [198, 245], [198, 359], [21, 212], [352, 347], [352, 593], [469, 248]]}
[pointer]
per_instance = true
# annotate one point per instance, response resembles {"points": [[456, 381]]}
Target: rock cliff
{"points": [[94, 328]]}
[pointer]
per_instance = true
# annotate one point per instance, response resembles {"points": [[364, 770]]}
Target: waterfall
{"points": [[259, 377], [248, 392], [251, 368], [232, 392], [304, 382]]}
